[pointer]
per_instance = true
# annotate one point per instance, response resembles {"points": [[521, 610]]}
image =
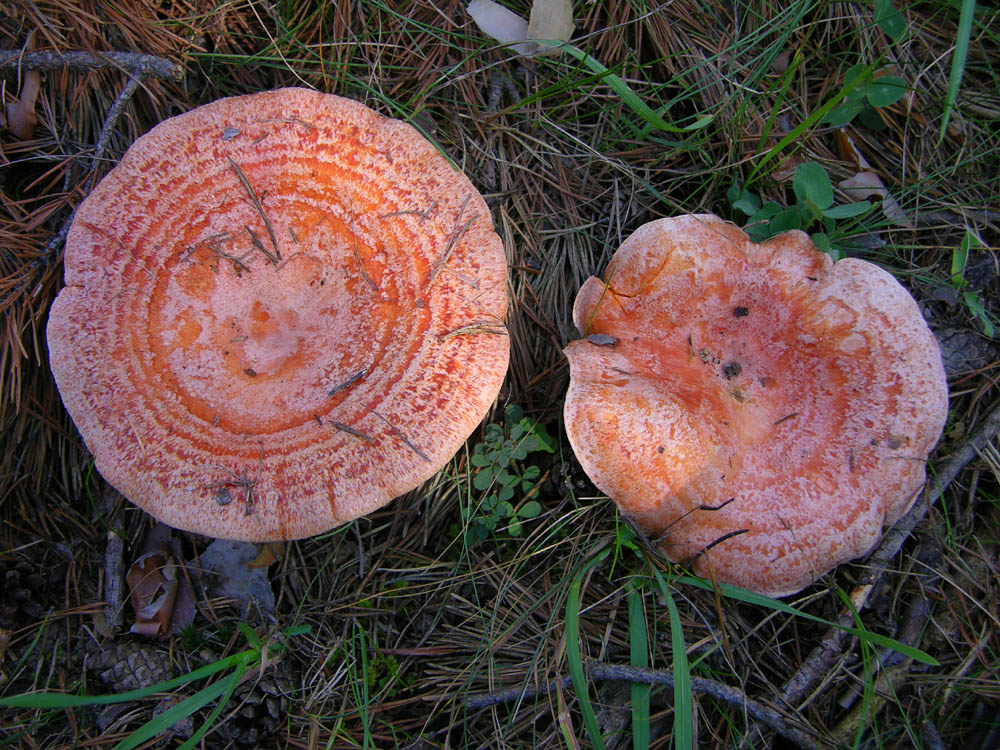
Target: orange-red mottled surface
{"points": [[765, 412], [281, 311]]}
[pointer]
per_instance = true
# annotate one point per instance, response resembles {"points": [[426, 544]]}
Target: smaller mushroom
{"points": [[765, 412]]}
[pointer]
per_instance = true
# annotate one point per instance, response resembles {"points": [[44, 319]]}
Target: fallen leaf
{"points": [[233, 577], [502, 24], [152, 581], [159, 585], [21, 117], [868, 185], [269, 554], [551, 20]]}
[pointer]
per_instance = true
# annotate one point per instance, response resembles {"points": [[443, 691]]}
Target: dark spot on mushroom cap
{"points": [[602, 339], [732, 369], [741, 312]]}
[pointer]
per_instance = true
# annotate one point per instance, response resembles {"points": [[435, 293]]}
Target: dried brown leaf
{"points": [[21, 117], [152, 581], [866, 185]]}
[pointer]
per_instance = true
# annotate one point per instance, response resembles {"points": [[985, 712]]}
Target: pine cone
{"points": [[263, 704], [22, 594], [125, 665]]}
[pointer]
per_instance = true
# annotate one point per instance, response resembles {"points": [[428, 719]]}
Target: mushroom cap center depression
{"points": [[256, 346]]}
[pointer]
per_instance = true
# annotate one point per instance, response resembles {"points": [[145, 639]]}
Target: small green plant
{"points": [[972, 300], [814, 203], [501, 474], [231, 668], [868, 94]]}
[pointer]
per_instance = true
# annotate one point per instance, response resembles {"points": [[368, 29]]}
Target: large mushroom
{"points": [[281, 311], [760, 411]]}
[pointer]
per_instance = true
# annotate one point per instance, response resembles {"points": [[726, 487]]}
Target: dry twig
{"points": [[645, 676], [137, 65]]}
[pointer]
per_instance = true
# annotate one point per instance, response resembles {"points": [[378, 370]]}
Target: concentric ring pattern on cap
{"points": [[281, 311]]}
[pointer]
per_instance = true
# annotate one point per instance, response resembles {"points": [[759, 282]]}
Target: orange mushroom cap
{"points": [[761, 411], [281, 311]]}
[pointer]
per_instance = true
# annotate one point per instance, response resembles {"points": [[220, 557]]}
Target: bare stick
{"points": [[113, 566], [350, 430], [645, 676], [114, 112], [146, 66], [349, 382], [139, 67]]}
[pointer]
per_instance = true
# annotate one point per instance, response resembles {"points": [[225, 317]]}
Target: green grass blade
{"points": [[734, 592], [575, 661], [193, 740], [796, 133], [182, 710], [683, 725], [631, 99], [962, 37], [638, 643], [63, 700]]}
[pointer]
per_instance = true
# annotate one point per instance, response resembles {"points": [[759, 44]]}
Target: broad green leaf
{"points": [[812, 183], [483, 479], [821, 241], [530, 509], [253, 640], [847, 211], [890, 20], [960, 257], [885, 91], [790, 218], [840, 116], [545, 442]]}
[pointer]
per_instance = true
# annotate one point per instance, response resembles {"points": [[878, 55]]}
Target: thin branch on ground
{"points": [[114, 112], [643, 675], [146, 66]]}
